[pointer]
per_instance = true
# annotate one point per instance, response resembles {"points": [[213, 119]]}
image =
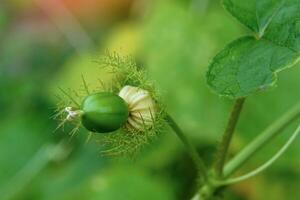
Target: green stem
{"points": [[266, 164], [227, 136], [189, 147], [261, 140]]}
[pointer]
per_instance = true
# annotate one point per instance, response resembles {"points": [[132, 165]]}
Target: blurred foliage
{"points": [[175, 41]]}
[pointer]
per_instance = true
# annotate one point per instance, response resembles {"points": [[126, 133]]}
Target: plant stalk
{"points": [[201, 167], [261, 140], [266, 164], [223, 149]]}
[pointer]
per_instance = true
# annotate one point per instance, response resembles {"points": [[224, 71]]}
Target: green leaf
{"points": [[255, 14], [250, 64]]}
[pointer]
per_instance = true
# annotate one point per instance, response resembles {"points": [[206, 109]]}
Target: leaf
{"points": [[250, 64], [247, 65], [255, 14]]}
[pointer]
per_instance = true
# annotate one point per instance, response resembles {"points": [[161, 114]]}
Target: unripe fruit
{"points": [[104, 112]]}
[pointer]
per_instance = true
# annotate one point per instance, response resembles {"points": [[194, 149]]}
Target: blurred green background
{"points": [[46, 44]]}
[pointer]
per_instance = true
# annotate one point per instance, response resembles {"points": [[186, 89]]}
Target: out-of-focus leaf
{"points": [[120, 183], [19, 141], [178, 44], [70, 179], [124, 39]]}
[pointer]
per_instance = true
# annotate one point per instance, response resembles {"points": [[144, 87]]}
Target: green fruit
{"points": [[104, 112]]}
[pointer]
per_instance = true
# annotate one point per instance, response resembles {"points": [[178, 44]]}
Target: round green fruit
{"points": [[104, 112]]}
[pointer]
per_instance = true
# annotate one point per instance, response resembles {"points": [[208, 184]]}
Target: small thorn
{"points": [[85, 85]]}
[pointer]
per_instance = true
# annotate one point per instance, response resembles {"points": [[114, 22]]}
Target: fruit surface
{"points": [[104, 112]]}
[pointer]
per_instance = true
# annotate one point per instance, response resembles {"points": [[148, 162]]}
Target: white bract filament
{"points": [[141, 107], [72, 113]]}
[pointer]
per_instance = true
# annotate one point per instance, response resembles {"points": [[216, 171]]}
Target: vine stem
{"points": [[227, 137], [201, 167], [261, 140], [266, 164]]}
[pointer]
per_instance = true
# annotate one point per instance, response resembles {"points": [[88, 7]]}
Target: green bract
{"points": [[251, 63], [135, 115], [104, 112]]}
